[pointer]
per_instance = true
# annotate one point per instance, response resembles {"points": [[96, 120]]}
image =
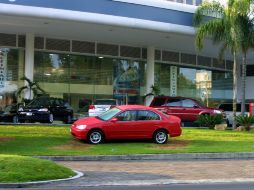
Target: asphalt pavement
{"points": [[150, 173], [231, 186]]}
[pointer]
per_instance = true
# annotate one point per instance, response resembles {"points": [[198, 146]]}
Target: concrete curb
{"points": [[29, 184], [196, 156], [170, 181]]}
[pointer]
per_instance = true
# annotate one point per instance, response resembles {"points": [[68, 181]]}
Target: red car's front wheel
{"points": [[95, 137]]}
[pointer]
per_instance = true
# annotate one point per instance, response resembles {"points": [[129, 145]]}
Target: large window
{"points": [[208, 86], [11, 70], [81, 79], [162, 77]]}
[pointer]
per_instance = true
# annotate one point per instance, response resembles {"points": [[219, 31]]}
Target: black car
{"points": [[46, 110], [9, 114]]}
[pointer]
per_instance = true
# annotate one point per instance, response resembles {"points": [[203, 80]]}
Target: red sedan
{"points": [[127, 122]]}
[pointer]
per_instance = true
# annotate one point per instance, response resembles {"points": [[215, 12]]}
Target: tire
{"points": [[51, 118], [95, 137], [160, 136], [15, 119], [68, 120]]}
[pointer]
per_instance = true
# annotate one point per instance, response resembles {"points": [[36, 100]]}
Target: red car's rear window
{"points": [[158, 101]]}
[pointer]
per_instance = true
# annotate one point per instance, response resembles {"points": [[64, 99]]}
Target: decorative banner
{"points": [[126, 82], [3, 65], [173, 81]]}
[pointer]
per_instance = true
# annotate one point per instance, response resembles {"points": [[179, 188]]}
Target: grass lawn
{"points": [[53, 140], [27, 169]]}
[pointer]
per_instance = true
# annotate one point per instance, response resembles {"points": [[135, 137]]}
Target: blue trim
{"points": [[114, 8]]}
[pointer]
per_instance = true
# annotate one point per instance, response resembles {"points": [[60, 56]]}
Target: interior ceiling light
{"points": [[101, 57]]}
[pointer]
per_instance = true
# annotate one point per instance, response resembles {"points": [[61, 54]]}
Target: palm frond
{"points": [[20, 90], [29, 82], [213, 28], [222, 52], [242, 7], [208, 11]]}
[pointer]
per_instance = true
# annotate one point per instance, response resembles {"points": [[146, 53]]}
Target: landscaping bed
{"points": [[57, 140]]}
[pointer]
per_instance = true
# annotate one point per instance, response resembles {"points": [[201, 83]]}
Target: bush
{"points": [[245, 121], [209, 121]]}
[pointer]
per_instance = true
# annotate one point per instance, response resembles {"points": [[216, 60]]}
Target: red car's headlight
{"points": [[81, 127]]}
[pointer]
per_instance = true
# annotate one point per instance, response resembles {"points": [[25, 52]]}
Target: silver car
{"points": [[100, 106], [228, 109]]}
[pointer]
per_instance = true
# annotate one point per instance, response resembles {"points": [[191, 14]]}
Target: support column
{"points": [[149, 73], [29, 62]]}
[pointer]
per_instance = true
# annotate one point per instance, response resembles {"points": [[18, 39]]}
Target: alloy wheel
{"points": [[95, 137], [161, 137]]}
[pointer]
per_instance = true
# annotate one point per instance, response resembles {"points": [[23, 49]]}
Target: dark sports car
{"points": [[46, 110]]}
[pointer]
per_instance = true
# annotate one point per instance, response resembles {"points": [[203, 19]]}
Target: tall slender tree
{"points": [[217, 21], [233, 26], [245, 29]]}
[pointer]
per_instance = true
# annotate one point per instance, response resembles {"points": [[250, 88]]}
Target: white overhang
{"points": [[100, 27]]}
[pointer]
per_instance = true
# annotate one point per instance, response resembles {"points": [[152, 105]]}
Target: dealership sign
{"points": [[173, 81]]}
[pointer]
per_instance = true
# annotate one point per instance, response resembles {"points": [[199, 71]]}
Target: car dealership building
{"points": [[88, 49]]}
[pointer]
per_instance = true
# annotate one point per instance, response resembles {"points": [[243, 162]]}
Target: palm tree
{"points": [[33, 87], [245, 28], [217, 21]]}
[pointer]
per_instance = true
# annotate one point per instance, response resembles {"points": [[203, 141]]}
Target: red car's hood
{"points": [[89, 121]]}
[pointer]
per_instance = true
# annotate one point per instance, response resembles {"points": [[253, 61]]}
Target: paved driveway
{"points": [[181, 170], [102, 173]]}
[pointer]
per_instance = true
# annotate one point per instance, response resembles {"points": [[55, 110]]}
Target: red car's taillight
{"points": [[91, 107]]}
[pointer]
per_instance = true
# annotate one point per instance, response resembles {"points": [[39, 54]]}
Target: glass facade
{"points": [[209, 86], [81, 79], [11, 70]]}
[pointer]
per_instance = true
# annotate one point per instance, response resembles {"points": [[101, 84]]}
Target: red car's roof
{"points": [[126, 107]]}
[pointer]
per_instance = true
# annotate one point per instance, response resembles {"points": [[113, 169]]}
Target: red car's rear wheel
{"points": [[160, 137]]}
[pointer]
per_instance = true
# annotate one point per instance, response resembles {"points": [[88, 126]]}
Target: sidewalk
{"points": [[101, 173]]}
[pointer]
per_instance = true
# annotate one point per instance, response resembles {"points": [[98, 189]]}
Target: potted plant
{"points": [[33, 88], [245, 121], [209, 121]]}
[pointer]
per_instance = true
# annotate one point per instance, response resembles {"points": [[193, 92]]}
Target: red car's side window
{"points": [[188, 103], [174, 102], [147, 115], [127, 116]]}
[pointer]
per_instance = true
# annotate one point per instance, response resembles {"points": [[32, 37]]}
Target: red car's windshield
{"points": [[109, 114]]}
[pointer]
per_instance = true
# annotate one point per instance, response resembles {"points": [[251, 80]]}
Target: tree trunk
{"points": [[234, 90], [243, 83]]}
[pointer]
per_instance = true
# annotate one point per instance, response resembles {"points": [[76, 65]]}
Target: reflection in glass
{"points": [[81, 79], [127, 81], [11, 70], [204, 85]]}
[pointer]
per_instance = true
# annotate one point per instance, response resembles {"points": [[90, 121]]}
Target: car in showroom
{"points": [[227, 107], [187, 109], [46, 110], [100, 106], [127, 122], [10, 113]]}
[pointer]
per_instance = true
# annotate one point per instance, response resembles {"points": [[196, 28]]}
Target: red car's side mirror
{"points": [[114, 119]]}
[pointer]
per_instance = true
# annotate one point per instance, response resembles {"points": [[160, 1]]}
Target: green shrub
{"points": [[245, 121], [209, 121]]}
